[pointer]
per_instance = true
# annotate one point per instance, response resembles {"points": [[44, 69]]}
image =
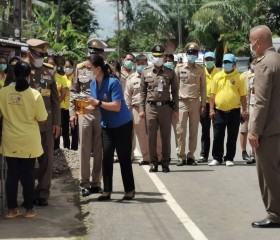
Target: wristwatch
{"points": [[99, 103]]}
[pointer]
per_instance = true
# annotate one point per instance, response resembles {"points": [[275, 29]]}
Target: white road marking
{"points": [[190, 226]]}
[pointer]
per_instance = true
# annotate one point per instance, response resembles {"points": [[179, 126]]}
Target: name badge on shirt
{"points": [[160, 86]]}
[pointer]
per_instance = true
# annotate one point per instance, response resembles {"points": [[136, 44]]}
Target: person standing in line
{"points": [[62, 88], [249, 78], [3, 70], [264, 133], [117, 127], [127, 68], [156, 106], [89, 125], [228, 93], [22, 108], [42, 79], [169, 63], [192, 100], [205, 121]]}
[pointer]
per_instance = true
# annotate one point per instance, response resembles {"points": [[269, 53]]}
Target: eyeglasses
{"points": [[38, 54]]}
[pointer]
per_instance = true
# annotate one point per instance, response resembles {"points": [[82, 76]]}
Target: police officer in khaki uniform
{"points": [[89, 127], [192, 101], [42, 79], [156, 105]]}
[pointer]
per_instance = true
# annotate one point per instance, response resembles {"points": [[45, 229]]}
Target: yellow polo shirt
{"points": [[21, 134], [228, 88], [209, 78], [66, 102], [61, 82]]}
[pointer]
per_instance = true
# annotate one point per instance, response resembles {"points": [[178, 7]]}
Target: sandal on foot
{"points": [[14, 214], [32, 213]]}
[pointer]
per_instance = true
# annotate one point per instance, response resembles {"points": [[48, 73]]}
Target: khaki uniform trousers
{"points": [[140, 130], [159, 117], [42, 189], [188, 109], [268, 168], [90, 142]]}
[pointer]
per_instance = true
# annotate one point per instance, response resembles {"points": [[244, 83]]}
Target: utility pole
{"points": [[58, 21], [179, 23], [119, 25], [17, 15]]}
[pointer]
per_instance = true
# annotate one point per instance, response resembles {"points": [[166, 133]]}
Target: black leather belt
{"points": [[158, 103], [229, 111]]}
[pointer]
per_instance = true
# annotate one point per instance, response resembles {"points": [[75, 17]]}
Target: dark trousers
{"points": [[205, 122], [64, 130], [223, 120], [74, 137], [119, 139], [20, 169]]}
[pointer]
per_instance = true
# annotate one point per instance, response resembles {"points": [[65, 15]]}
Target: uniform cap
{"points": [[96, 43], [157, 50], [192, 46], [38, 45], [210, 54], [229, 57]]}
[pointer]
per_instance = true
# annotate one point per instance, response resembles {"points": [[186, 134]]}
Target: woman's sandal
{"points": [[30, 214], [13, 214]]}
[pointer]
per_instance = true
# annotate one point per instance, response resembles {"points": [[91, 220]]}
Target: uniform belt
{"points": [[188, 99], [158, 103], [229, 111]]}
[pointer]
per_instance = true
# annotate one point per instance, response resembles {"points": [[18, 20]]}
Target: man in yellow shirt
{"points": [[205, 121], [228, 93]]}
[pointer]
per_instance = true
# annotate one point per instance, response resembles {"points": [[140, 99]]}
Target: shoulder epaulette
{"points": [[150, 66], [260, 58], [48, 65], [179, 65], [200, 65]]}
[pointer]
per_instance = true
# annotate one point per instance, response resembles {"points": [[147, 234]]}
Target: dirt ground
{"points": [[62, 219]]}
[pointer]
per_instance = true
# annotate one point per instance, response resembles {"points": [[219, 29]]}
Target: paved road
{"points": [[191, 202]]}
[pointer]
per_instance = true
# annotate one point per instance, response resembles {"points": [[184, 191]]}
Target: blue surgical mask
{"points": [[191, 58], [169, 65], [140, 68], [128, 64], [228, 67], [209, 64], [3, 67]]}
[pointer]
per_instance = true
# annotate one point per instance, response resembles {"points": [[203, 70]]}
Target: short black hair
{"points": [[141, 57]]}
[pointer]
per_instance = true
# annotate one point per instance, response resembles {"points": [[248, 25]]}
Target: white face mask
{"points": [[158, 61], [68, 71], [38, 62]]}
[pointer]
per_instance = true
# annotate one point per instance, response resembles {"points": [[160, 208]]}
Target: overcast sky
{"points": [[106, 13]]}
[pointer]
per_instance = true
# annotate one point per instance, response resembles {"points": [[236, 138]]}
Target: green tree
{"points": [[82, 14]]}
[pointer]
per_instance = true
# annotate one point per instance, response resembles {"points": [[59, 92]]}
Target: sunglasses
{"points": [[192, 52], [38, 54]]}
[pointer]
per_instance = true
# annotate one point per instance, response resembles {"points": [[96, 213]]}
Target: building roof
{"points": [[12, 43]]}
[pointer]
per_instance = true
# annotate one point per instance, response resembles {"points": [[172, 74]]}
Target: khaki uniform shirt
{"points": [[192, 82], [124, 77], [42, 79], [132, 90], [150, 80]]}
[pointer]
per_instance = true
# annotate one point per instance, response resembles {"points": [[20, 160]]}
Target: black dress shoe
{"points": [[144, 162], [42, 202], [181, 162], [153, 168], [165, 169], [251, 161], [129, 196], [96, 189], [191, 161], [245, 156], [86, 192], [266, 223], [104, 197]]}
